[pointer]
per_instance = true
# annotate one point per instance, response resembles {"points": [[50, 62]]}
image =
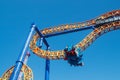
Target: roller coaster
{"points": [[102, 24]]}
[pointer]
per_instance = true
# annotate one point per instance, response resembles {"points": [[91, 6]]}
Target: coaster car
{"points": [[73, 56]]}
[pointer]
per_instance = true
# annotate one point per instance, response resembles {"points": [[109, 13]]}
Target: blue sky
{"points": [[101, 58]]}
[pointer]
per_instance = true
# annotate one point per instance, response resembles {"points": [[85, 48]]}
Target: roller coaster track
{"points": [[102, 24], [28, 75]]}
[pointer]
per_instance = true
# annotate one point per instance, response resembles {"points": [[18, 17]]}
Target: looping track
{"points": [[103, 24], [28, 75]]}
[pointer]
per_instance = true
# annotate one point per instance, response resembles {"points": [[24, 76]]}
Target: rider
{"points": [[74, 56]]}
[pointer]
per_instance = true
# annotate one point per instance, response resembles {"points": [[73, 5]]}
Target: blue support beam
{"points": [[69, 31], [40, 34], [20, 60], [43, 40], [47, 69]]}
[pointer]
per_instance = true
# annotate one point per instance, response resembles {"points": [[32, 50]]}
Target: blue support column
{"points": [[47, 69], [43, 40], [21, 57], [47, 65]]}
